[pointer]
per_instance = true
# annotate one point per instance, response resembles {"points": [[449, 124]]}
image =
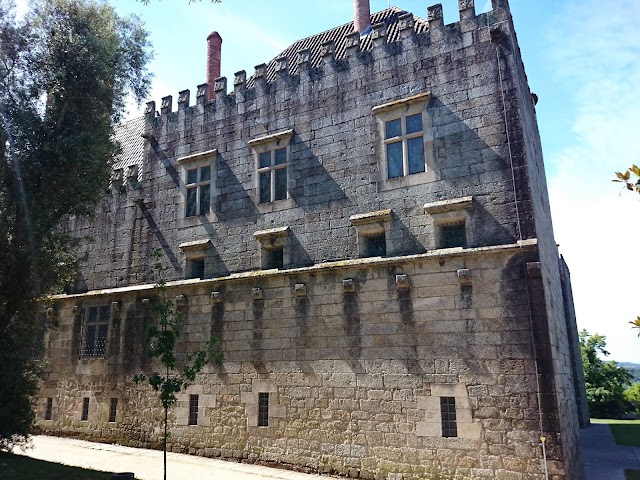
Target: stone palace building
{"points": [[364, 224]]}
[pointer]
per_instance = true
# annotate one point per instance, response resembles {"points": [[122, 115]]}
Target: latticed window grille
{"points": [[453, 236], [113, 409], [263, 409], [448, 413], [193, 409], [95, 330]]}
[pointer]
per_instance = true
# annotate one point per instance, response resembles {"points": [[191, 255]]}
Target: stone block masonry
{"points": [[381, 317], [354, 383]]}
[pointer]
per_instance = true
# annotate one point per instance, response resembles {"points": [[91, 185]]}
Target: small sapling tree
{"points": [[163, 333]]}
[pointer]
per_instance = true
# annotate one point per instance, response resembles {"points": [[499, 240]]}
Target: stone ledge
{"points": [[197, 156], [450, 205], [194, 246], [370, 217], [271, 138], [279, 232], [420, 98], [522, 245]]}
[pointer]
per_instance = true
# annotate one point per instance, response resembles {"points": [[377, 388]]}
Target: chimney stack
{"points": [[214, 48], [361, 17]]}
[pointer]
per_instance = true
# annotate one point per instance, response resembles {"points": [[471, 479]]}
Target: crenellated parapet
{"points": [[402, 30]]}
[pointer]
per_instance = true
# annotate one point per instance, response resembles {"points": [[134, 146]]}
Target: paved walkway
{"points": [[147, 464], [603, 459]]}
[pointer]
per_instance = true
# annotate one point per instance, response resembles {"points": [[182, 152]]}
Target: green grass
{"points": [[18, 467], [632, 474], [625, 432]]}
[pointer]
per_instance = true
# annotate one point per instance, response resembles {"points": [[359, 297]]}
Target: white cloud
{"points": [[598, 229]]}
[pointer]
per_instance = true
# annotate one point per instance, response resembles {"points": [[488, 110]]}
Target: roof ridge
{"points": [[393, 8]]}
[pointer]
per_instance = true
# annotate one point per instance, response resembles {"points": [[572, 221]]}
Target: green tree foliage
{"points": [[65, 72], [632, 395], [605, 381], [162, 337]]}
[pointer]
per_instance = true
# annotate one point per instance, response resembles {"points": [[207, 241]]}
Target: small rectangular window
{"points": [[113, 409], [193, 409], [263, 409], [85, 409], [448, 413], [195, 268], [375, 245], [276, 258], [453, 236], [48, 412]]}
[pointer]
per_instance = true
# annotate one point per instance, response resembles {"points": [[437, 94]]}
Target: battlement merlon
{"points": [[353, 44]]}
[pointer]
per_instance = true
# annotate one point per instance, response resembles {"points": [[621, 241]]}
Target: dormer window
{"points": [[195, 253], [274, 247], [451, 222], [372, 231]]}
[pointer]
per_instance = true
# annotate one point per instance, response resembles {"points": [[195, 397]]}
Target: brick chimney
{"points": [[361, 16], [214, 47]]}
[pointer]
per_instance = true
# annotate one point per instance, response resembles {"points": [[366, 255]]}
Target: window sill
{"points": [[414, 179], [186, 222], [276, 205]]}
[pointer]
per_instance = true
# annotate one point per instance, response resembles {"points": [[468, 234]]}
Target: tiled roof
{"points": [[129, 135], [338, 35]]}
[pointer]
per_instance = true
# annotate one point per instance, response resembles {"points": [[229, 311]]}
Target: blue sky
{"points": [[582, 59]]}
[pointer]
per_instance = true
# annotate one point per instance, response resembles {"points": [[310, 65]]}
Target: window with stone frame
{"points": [[95, 328], [448, 417], [272, 156], [372, 231], [404, 145], [195, 253], [198, 191], [272, 174], [197, 183], [406, 139], [452, 222], [263, 409], [113, 409], [193, 409], [274, 248]]}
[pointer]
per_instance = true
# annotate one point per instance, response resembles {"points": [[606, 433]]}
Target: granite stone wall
{"points": [[355, 363]]}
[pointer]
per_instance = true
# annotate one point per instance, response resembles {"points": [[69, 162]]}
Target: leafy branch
{"points": [[162, 339], [626, 178]]}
